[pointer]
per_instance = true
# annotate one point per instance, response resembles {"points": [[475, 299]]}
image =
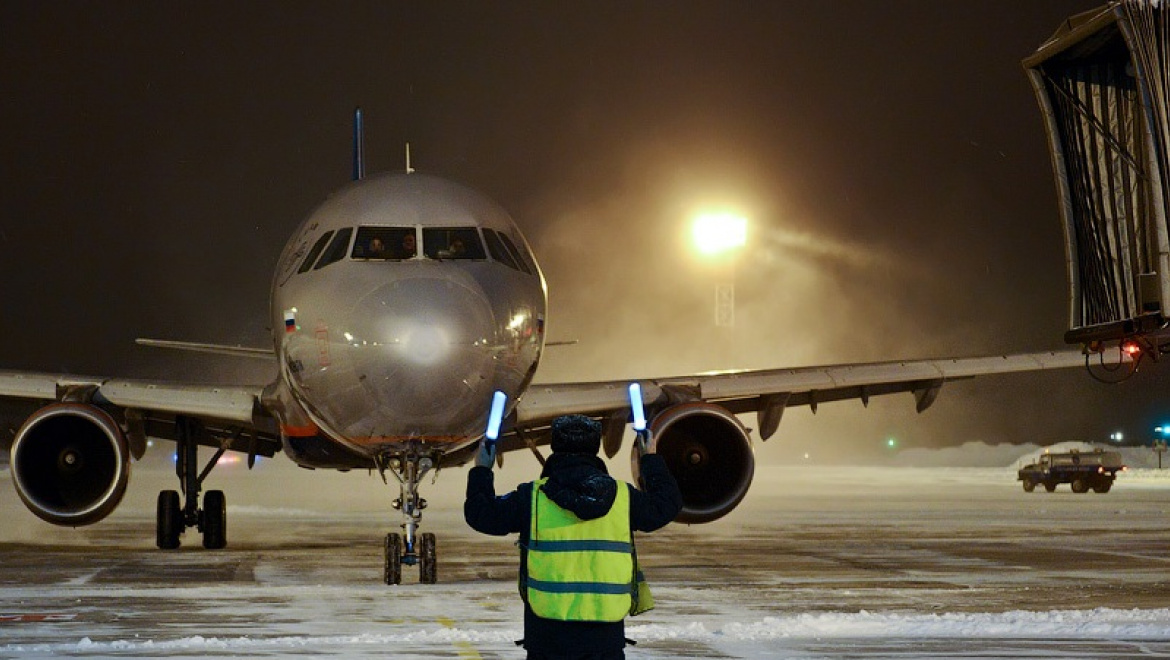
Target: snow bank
{"points": [[1067, 624], [1100, 623]]}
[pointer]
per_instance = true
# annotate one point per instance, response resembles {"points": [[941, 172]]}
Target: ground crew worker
{"points": [[577, 558]]}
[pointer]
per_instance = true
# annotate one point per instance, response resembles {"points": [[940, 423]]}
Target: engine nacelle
{"points": [[709, 452], [70, 463]]}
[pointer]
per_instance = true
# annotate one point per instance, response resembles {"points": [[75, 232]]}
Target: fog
{"points": [[889, 156]]}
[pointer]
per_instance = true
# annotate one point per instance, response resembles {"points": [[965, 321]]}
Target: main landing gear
{"points": [[174, 518], [410, 547]]}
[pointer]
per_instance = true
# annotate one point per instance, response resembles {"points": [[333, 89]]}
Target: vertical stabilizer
{"points": [[359, 146]]}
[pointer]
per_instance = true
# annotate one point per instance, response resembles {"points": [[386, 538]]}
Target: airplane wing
{"points": [[769, 392], [694, 418], [232, 416]]}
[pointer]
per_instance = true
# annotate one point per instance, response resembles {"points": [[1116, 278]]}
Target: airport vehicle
{"points": [[1081, 470], [400, 307]]}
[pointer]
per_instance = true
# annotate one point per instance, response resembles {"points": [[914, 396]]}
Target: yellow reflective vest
{"points": [[580, 570]]}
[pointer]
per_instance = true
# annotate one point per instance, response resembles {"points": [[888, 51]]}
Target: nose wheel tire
{"points": [[393, 568], [427, 563]]}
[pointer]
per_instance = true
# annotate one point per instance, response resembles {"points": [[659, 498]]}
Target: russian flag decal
{"points": [[290, 320]]}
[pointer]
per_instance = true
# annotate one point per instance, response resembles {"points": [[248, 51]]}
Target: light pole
{"points": [[1160, 443], [716, 235]]}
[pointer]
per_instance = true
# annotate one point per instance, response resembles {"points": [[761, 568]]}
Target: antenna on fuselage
{"points": [[359, 146], [409, 169]]}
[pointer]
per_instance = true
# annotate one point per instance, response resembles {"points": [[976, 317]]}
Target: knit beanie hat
{"points": [[576, 434]]}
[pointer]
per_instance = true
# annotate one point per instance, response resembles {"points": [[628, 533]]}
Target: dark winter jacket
{"points": [[581, 484]]}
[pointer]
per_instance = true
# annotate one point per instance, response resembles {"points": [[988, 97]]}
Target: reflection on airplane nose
{"points": [[419, 350]]}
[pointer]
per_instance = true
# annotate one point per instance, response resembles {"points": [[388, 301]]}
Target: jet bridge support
{"points": [[1103, 85]]}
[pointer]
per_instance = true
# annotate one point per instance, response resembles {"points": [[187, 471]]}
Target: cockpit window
{"points": [[520, 261], [336, 249], [315, 252], [497, 249], [384, 243], [452, 243]]}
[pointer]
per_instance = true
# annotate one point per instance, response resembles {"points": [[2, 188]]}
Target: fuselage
{"points": [[399, 306]]}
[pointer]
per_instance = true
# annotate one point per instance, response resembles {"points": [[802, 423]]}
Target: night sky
{"points": [[889, 155]]}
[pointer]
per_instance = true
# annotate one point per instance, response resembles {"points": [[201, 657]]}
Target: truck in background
{"points": [[1081, 469]]}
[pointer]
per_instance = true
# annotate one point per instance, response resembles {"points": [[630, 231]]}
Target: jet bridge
{"points": [[1103, 84]]}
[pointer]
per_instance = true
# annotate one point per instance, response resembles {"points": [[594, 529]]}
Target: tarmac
{"points": [[817, 563]]}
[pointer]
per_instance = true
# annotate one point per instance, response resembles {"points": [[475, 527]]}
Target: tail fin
{"points": [[359, 146]]}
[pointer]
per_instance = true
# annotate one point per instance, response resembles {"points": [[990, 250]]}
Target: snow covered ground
{"points": [[819, 562]]}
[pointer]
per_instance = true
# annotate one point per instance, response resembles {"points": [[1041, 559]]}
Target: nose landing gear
{"points": [[410, 547]]}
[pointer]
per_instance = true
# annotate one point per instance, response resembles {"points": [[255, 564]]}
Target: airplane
{"points": [[400, 307]]}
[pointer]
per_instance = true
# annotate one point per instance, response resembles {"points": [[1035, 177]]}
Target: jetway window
{"points": [[452, 243], [385, 244], [336, 250], [497, 249], [315, 252]]}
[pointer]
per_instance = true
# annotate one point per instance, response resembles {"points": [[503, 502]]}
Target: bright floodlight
{"points": [[719, 232]]}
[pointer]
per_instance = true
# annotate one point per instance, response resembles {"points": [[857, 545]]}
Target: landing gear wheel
{"points": [[168, 520], [393, 572], [214, 520], [427, 563]]}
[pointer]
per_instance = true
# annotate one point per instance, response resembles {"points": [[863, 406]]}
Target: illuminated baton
{"points": [[636, 406], [496, 417]]}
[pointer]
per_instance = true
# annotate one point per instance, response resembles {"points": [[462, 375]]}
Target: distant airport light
{"points": [[1117, 436], [719, 232], [892, 443]]}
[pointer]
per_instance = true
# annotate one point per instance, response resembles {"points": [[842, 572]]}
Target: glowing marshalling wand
{"points": [[636, 406], [495, 418]]}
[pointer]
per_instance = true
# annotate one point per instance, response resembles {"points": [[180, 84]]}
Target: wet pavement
{"points": [[821, 563]]}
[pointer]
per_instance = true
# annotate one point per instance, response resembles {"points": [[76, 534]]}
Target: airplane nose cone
{"points": [[420, 353]]}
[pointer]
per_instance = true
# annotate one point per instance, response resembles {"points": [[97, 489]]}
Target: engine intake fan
{"points": [[70, 464], [709, 452]]}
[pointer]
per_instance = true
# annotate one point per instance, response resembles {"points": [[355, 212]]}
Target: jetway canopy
{"points": [[1102, 82]]}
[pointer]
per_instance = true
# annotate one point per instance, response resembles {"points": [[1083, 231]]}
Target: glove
{"points": [[644, 441], [486, 456]]}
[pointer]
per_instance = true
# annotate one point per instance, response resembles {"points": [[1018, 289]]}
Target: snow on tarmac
{"points": [[1088, 625], [830, 562]]}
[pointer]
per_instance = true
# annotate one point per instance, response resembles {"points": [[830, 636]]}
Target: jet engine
{"points": [[70, 463], [709, 452]]}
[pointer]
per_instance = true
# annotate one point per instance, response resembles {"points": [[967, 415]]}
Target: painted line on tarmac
{"points": [[464, 648], [37, 617]]}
